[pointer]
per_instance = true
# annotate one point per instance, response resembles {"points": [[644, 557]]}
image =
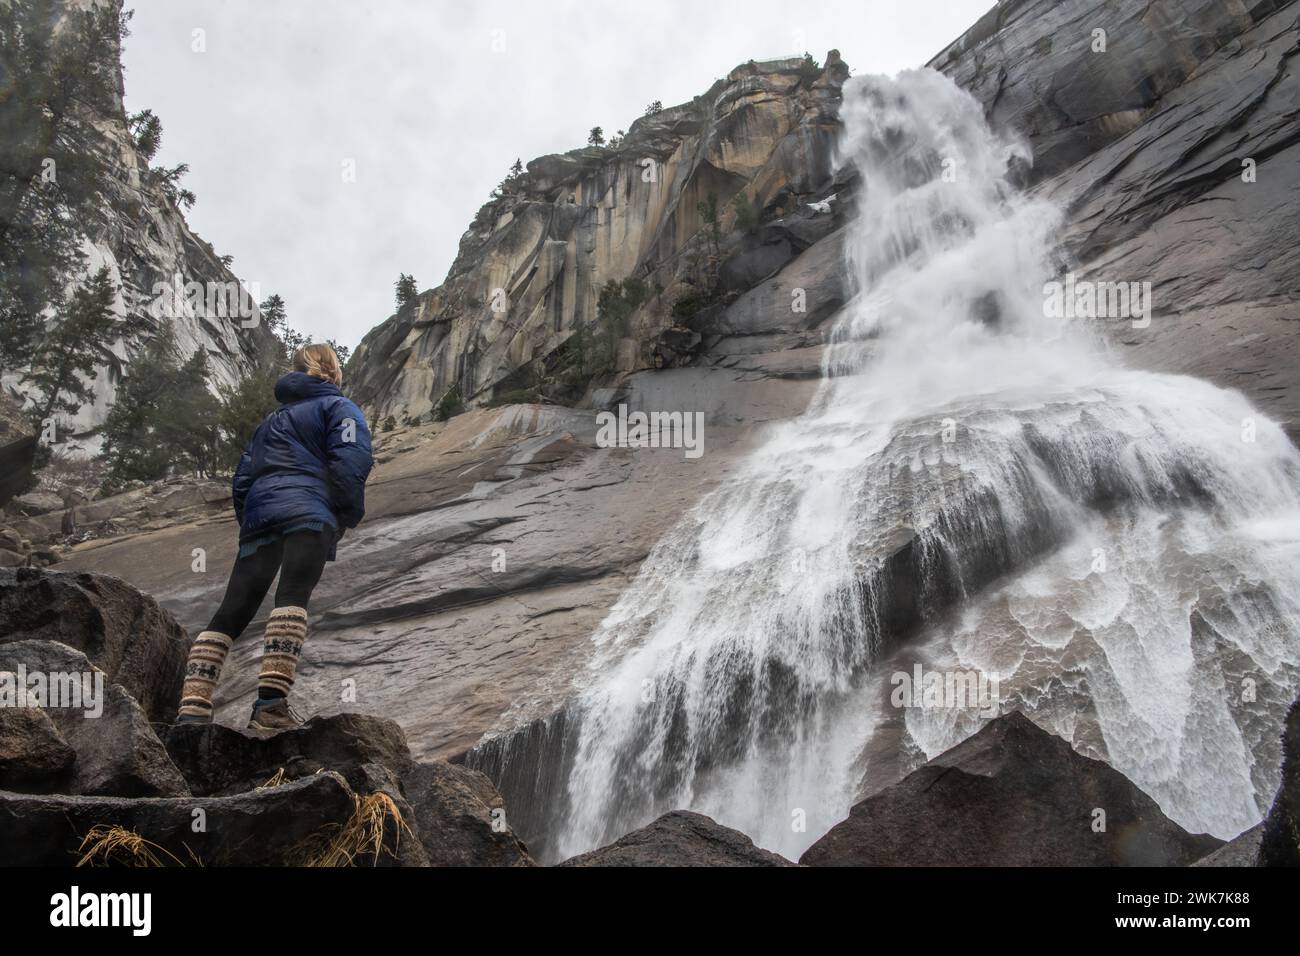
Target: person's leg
{"points": [[304, 560], [249, 582]]}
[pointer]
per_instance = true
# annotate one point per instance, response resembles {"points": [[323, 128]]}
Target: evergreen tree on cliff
{"points": [[165, 417], [134, 447], [65, 357], [406, 289], [50, 158]]}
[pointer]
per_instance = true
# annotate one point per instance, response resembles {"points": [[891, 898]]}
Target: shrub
{"points": [[449, 405]]}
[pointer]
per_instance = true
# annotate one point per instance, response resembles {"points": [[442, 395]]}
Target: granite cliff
{"points": [[140, 234]]}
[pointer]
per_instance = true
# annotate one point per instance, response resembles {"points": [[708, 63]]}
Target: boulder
{"points": [[215, 759], [681, 838], [460, 817], [123, 633], [1280, 839], [1011, 795], [38, 503], [1241, 851], [33, 757], [12, 559], [117, 752], [273, 826], [452, 816], [17, 449]]}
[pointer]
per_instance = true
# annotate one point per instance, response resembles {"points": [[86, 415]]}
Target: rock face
{"points": [[1012, 795], [456, 601], [121, 631], [531, 265], [143, 239], [17, 449], [681, 838], [1189, 109]]}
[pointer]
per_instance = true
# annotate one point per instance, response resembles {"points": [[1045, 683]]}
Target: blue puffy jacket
{"points": [[308, 461]]}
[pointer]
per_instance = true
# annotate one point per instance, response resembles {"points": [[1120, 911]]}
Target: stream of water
{"points": [[1118, 548]]}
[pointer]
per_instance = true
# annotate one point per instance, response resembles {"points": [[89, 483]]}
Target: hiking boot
{"points": [[273, 716], [192, 719]]}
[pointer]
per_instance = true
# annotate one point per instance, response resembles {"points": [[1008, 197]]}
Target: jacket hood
{"points": [[297, 386]]}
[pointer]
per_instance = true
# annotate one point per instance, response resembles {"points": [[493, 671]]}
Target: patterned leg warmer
{"points": [[286, 630], [202, 671]]}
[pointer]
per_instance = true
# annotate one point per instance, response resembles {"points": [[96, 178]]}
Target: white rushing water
{"points": [[1118, 548]]}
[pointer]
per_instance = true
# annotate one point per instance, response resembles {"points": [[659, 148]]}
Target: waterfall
{"points": [[977, 484]]}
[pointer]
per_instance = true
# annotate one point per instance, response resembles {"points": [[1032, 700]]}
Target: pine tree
{"points": [[596, 137], [51, 158], [135, 447], [708, 211], [169, 180], [191, 421], [342, 351], [146, 129], [406, 289], [64, 361], [243, 407], [517, 169]]}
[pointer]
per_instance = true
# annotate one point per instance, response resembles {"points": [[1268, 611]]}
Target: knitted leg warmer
{"points": [[202, 671], [286, 630]]}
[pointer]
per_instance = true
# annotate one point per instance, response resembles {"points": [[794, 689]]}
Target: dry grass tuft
{"points": [[362, 835], [106, 845], [276, 780]]}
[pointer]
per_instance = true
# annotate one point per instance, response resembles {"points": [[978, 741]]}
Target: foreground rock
{"points": [[87, 758], [217, 760], [454, 813], [33, 757], [115, 748], [681, 838], [274, 826], [1280, 839], [122, 632], [460, 818], [1241, 851], [1012, 795]]}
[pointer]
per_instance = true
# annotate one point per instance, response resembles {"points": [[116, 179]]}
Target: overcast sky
{"points": [[434, 100]]}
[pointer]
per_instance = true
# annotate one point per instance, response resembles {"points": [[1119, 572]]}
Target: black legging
{"points": [[298, 557]]}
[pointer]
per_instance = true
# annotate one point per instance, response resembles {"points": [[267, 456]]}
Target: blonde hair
{"points": [[320, 361]]}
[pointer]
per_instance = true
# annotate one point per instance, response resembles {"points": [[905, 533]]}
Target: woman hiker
{"points": [[300, 484]]}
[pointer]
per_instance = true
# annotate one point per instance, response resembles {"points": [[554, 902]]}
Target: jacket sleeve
{"points": [[349, 460], [243, 481]]}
